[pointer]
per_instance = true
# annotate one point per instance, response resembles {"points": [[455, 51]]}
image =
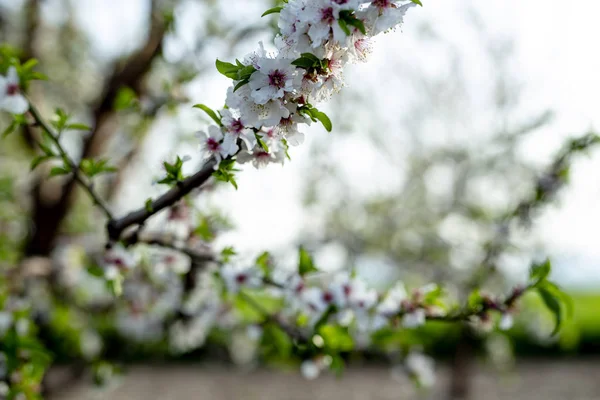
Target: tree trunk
{"points": [[461, 373]]}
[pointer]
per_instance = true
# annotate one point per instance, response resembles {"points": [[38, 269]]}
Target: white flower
{"points": [[236, 276], [414, 319], [211, 144], [360, 47], [260, 158], [11, 99], [253, 114], [421, 367], [333, 81], [294, 287], [236, 128], [316, 301], [184, 337], [310, 370], [22, 326], [111, 273], [352, 293], [392, 302], [170, 260], [382, 15], [254, 332], [90, 344], [324, 16], [6, 320], [118, 258], [506, 322], [288, 127], [273, 79]]}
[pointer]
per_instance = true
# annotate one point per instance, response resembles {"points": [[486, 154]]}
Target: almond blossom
{"points": [[11, 99]]}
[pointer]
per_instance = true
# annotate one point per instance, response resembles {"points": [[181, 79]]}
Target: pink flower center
{"points": [[327, 297], [262, 155], [340, 1], [327, 15], [270, 133], [347, 290], [12, 89], [382, 3], [299, 288], [277, 79], [237, 126], [170, 259], [241, 278], [119, 262], [212, 145], [286, 122]]}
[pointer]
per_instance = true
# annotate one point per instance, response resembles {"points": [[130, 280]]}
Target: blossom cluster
{"points": [[273, 92]]}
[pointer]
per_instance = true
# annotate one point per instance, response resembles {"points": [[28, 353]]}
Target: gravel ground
{"points": [[544, 380]]}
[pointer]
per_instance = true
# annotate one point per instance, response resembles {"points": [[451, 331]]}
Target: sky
{"points": [[556, 56]]}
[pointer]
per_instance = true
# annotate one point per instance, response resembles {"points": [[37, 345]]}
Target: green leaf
{"points": [[566, 300], [60, 119], [91, 167], [261, 142], [227, 253], [78, 127], [337, 365], [38, 160], [225, 173], [277, 339], [305, 263], [57, 171], [303, 62], [553, 304], [148, 205], [210, 113], [273, 10], [336, 338], [116, 286], [227, 69], [10, 128], [324, 119], [264, 263], [126, 98], [240, 84], [344, 26], [539, 272], [358, 24], [245, 72], [417, 2], [29, 64], [475, 300], [96, 270]]}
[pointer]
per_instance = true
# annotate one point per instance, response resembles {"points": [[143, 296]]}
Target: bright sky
{"points": [[557, 58]]}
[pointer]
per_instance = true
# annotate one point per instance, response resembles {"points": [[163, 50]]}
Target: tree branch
{"points": [[166, 243], [115, 227], [78, 176]]}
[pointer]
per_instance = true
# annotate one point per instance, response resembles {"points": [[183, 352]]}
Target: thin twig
{"points": [[166, 242], [75, 168]]}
